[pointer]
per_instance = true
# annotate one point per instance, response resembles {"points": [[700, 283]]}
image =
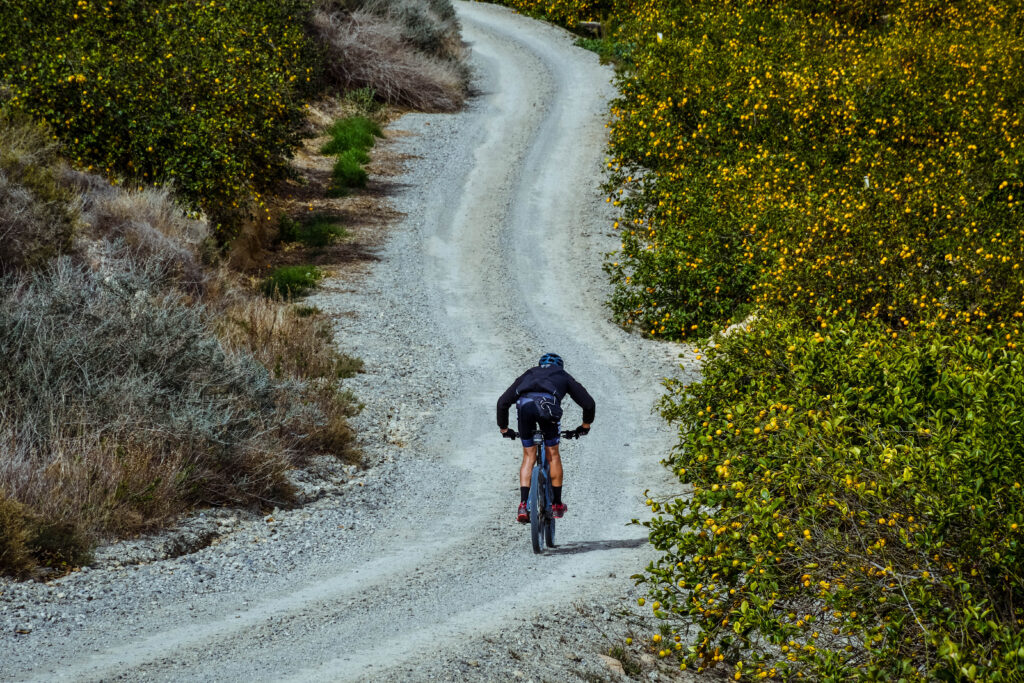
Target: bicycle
{"points": [[542, 521]]}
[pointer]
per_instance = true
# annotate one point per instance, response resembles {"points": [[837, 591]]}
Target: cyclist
{"points": [[538, 395]]}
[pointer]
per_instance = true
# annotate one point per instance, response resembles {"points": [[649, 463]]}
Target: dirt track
{"points": [[421, 569]]}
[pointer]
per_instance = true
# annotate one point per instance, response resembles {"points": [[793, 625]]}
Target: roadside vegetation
{"points": [[142, 376], [350, 141], [407, 52], [843, 186]]}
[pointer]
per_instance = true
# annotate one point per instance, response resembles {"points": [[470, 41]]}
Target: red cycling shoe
{"points": [[558, 509], [523, 515]]}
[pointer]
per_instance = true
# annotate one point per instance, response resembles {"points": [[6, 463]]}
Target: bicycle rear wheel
{"points": [[534, 504], [549, 531]]}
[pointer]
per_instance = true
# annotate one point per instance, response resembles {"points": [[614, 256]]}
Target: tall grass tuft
{"points": [[315, 231]]}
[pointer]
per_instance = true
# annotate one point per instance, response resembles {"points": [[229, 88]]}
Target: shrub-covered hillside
{"points": [[141, 377], [846, 181], [136, 381], [209, 97]]}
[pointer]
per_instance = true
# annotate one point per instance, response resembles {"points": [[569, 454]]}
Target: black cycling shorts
{"points": [[530, 420]]}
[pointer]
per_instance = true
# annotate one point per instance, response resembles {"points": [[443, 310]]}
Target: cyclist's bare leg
{"points": [[555, 462], [526, 469]]}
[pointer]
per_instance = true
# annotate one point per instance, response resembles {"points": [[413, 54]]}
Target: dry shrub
{"points": [[289, 344], [37, 216], [430, 26], [296, 345], [146, 224], [119, 406], [14, 555], [367, 50]]}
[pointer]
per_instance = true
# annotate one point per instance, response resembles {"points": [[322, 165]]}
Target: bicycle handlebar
{"points": [[568, 434]]}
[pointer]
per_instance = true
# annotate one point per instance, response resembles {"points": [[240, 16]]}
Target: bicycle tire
{"points": [[549, 532], [536, 521]]}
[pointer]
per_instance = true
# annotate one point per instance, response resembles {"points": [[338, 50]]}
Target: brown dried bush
{"points": [[14, 555], [368, 50], [296, 344], [120, 407], [145, 224]]}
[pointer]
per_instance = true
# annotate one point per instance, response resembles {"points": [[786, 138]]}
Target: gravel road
{"points": [[414, 569]]}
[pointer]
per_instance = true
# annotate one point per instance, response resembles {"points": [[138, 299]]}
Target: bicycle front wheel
{"points": [[549, 531], [534, 504]]}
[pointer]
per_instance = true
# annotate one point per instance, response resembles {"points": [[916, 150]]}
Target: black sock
{"points": [[558, 494], [524, 493]]}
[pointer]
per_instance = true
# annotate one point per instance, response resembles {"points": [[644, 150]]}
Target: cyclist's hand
{"points": [[582, 430], [509, 434]]}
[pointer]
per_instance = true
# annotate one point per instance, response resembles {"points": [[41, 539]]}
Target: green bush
{"points": [[206, 96], [351, 138], [314, 231], [856, 505], [609, 50], [355, 132], [751, 172], [348, 172], [846, 178], [60, 545], [291, 281]]}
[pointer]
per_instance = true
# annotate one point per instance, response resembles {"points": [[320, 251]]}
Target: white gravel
{"points": [[414, 569]]}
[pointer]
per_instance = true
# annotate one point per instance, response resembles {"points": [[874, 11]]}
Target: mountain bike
{"points": [[542, 521]]}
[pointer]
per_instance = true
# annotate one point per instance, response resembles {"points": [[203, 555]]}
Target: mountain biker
{"points": [[538, 395]]}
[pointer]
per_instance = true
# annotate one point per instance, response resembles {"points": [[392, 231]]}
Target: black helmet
{"points": [[551, 359]]}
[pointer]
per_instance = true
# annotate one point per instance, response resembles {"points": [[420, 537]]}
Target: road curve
{"points": [[497, 260]]}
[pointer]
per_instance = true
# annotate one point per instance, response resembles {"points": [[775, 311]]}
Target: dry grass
{"points": [[145, 224], [37, 215], [104, 368], [370, 50], [137, 382], [120, 406], [293, 342], [296, 344]]}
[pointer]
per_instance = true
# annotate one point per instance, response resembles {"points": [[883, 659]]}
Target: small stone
{"points": [[613, 664]]}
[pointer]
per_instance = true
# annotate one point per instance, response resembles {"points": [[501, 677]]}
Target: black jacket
{"points": [[552, 380]]}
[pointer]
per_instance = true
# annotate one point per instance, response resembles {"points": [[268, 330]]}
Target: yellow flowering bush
{"points": [[567, 12], [203, 94], [856, 505], [846, 179], [771, 154]]}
